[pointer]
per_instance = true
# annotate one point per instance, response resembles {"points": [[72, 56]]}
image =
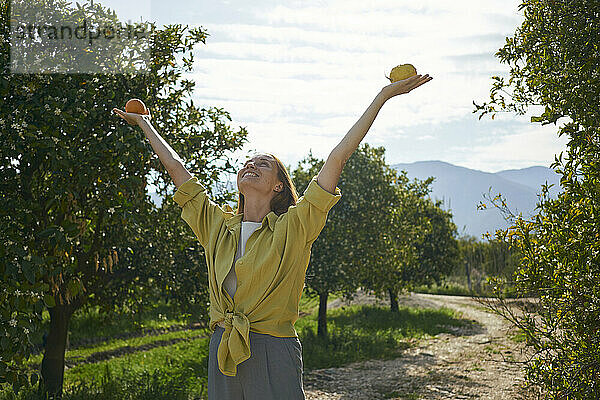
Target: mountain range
{"points": [[462, 189]]}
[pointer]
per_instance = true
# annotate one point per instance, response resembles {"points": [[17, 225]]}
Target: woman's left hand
{"points": [[404, 86]]}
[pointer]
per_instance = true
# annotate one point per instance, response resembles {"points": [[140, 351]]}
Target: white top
{"points": [[230, 282]]}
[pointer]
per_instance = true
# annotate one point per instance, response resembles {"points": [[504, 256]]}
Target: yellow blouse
{"points": [[270, 274]]}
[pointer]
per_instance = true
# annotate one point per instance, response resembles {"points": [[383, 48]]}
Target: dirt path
{"points": [[469, 363]]}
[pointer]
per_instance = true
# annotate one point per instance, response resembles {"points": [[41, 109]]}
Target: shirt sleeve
{"points": [[199, 211], [307, 218]]}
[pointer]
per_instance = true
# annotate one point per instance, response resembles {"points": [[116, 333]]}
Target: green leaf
{"points": [[50, 203], [537, 119], [29, 271], [73, 287], [49, 300], [70, 227], [47, 232], [33, 379]]}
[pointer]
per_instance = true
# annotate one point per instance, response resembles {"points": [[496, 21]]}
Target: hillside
{"points": [[462, 189]]}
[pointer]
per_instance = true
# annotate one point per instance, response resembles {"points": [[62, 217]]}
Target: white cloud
{"points": [[533, 145], [398, 17], [127, 10], [299, 75], [425, 137]]}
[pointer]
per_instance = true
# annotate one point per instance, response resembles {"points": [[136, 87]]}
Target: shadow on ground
{"points": [[370, 332], [375, 379]]}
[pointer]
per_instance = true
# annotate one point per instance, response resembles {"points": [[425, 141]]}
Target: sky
{"points": [[299, 74]]}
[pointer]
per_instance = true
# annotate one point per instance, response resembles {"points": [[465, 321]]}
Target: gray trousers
{"points": [[273, 371]]}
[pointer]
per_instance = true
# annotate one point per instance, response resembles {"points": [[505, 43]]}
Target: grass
{"points": [[476, 369], [182, 357], [171, 372], [91, 323], [518, 337], [361, 332], [179, 371], [491, 349], [89, 327], [81, 353], [125, 385], [451, 288], [311, 304]]}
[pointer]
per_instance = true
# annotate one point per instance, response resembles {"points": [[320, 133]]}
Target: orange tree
{"points": [[77, 225], [347, 242], [417, 245], [394, 247], [369, 235], [554, 59], [436, 245]]}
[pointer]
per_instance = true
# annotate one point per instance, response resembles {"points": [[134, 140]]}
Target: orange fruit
{"points": [[136, 106]]}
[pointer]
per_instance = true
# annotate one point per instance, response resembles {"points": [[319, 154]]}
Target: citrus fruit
{"points": [[401, 72], [136, 106]]}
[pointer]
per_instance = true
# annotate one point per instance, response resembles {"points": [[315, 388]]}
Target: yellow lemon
{"points": [[401, 72]]}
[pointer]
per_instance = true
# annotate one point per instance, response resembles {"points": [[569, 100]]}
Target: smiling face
{"points": [[259, 176]]}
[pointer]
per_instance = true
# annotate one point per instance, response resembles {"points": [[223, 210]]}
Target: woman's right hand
{"points": [[131, 118], [404, 86]]}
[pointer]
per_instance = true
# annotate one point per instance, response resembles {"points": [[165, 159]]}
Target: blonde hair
{"points": [[282, 200]]}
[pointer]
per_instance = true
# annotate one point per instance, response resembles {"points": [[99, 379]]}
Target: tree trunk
{"points": [[393, 300], [468, 271], [322, 320], [53, 363]]}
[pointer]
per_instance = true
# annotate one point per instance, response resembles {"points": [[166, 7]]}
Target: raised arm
{"points": [[332, 169], [168, 157]]}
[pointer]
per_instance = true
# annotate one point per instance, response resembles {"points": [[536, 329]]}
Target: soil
{"points": [[479, 361]]}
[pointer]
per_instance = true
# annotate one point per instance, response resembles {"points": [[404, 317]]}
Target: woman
{"points": [[257, 258]]}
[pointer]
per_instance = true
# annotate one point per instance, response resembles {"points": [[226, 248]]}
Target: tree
{"points": [[417, 245], [397, 232], [491, 258], [393, 246], [78, 228], [557, 45], [436, 248], [349, 239]]}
